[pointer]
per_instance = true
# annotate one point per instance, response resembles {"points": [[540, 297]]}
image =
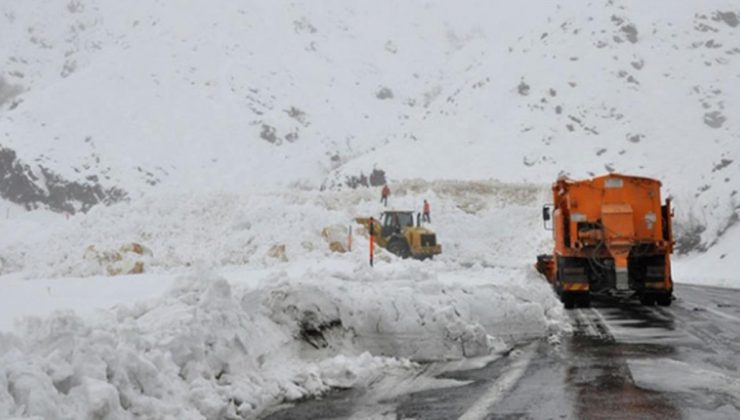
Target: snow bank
{"points": [[203, 351], [278, 329], [210, 349]]}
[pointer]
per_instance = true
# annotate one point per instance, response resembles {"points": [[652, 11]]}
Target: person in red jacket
{"points": [[384, 195], [426, 212]]}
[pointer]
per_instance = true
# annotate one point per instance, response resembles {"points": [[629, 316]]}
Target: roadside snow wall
{"points": [[212, 350]]}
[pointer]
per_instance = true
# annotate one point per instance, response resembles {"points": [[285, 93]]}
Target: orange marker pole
{"points": [[372, 240]]}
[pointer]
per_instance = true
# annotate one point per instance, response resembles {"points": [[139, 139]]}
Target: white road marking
{"points": [[482, 407]]}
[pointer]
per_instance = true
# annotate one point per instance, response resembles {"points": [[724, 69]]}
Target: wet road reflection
{"points": [[598, 374], [623, 360]]}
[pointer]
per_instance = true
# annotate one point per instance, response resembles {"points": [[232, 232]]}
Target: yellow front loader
{"points": [[396, 232]]}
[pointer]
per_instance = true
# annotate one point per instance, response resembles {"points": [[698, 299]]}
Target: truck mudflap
{"points": [[623, 279]]}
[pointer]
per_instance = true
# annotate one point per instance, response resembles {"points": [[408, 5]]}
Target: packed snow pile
{"points": [[208, 349], [259, 308], [485, 221]]}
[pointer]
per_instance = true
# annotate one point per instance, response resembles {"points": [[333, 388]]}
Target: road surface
{"points": [[623, 360]]}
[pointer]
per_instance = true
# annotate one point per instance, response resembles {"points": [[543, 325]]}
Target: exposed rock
{"points": [[298, 115], [278, 252], [384, 93], [391, 47], [722, 164], [8, 91], [356, 181], [337, 236], [714, 119], [523, 88], [730, 18], [630, 32], [688, 233], [338, 247], [634, 138], [291, 137], [269, 134], [377, 178], [304, 26], [34, 187], [75, 6], [128, 259]]}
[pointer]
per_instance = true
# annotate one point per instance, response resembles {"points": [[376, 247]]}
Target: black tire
{"points": [[584, 300], [569, 301], [647, 299], [399, 247], [664, 299]]}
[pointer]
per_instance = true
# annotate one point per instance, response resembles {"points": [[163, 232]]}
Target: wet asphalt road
{"points": [[623, 360]]}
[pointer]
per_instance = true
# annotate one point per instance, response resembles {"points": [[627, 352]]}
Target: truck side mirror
{"points": [[547, 216]]}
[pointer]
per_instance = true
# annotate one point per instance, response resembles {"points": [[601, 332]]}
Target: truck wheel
{"points": [[399, 247], [647, 299], [584, 300], [664, 299], [569, 301]]}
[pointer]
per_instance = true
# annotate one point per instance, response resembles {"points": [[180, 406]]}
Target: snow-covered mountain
{"points": [[236, 140], [130, 99]]}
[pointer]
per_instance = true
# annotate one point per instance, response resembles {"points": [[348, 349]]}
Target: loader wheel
{"points": [[399, 247], [664, 299]]}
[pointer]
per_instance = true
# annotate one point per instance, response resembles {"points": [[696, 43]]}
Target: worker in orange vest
{"points": [[384, 195], [425, 213]]}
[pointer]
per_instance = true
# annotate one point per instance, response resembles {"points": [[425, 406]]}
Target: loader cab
{"points": [[395, 221]]}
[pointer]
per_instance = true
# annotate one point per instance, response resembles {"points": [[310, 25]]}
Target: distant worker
{"points": [[384, 195], [426, 211]]}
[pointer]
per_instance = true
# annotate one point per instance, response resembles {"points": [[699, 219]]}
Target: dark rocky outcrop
{"points": [[376, 179], [40, 187]]}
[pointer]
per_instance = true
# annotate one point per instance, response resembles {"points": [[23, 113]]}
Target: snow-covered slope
{"points": [[234, 129], [257, 95]]}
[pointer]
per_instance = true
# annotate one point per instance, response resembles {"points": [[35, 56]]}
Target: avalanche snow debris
{"points": [[209, 349]]}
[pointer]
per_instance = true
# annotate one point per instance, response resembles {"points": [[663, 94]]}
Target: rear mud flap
{"points": [[623, 282]]}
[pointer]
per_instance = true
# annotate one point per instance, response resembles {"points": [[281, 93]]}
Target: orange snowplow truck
{"points": [[612, 236]]}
